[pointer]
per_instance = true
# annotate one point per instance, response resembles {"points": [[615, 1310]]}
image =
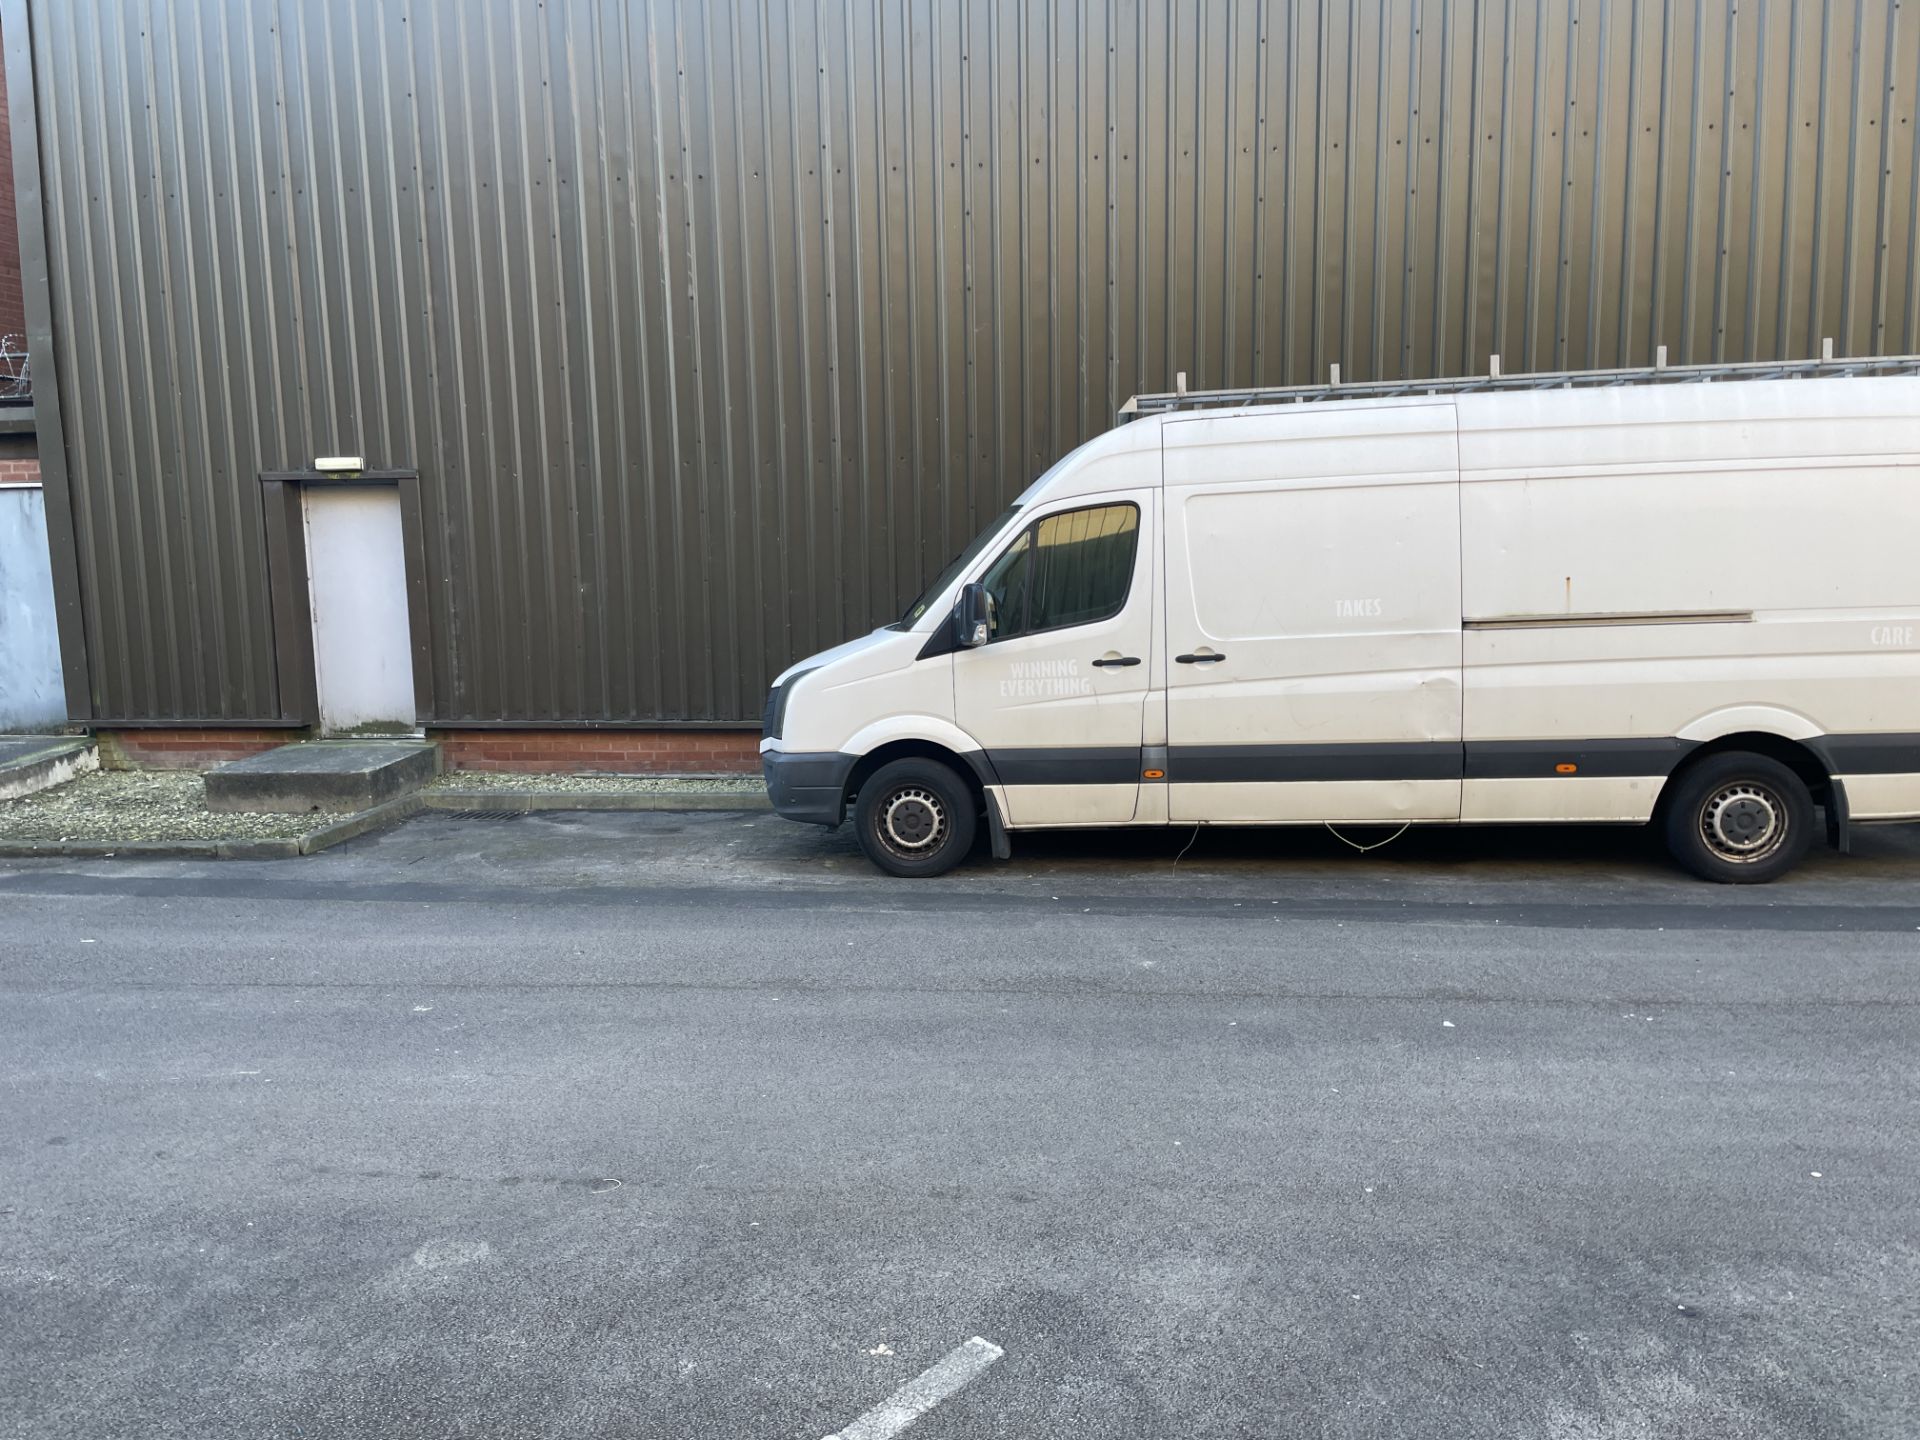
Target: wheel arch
{"points": [[969, 766], [1794, 753]]}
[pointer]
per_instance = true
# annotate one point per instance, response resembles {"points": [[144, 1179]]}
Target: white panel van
{"points": [[1694, 603]]}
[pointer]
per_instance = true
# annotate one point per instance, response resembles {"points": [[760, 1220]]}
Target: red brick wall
{"points": [[625, 752], [13, 312], [184, 749], [12, 472], [547, 752]]}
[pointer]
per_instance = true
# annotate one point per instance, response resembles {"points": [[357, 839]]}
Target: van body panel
{"points": [[1749, 719], [1725, 540], [1880, 770], [1313, 575], [1124, 459], [847, 651], [1791, 675], [937, 729], [1595, 799], [1352, 802], [1692, 425], [1883, 797], [1688, 561], [875, 687]]}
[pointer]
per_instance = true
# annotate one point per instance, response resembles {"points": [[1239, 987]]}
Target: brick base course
{"points": [[546, 752], [186, 749], [624, 752]]}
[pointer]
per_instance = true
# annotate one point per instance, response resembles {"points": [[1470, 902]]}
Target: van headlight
{"points": [[775, 719]]}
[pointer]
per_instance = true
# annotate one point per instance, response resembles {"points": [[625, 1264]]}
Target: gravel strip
{"points": [[601, 784], [126, 805]]}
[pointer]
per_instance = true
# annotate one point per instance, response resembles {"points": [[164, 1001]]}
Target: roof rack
{"points": [[1658, 373]]}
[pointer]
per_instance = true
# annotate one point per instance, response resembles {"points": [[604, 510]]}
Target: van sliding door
{"points": [[1313, 615]]}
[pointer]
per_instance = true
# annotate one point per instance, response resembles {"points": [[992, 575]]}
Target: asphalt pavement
{"points": [[692, 1125]]}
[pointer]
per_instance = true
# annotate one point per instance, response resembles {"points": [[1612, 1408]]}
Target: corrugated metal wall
{"points": [[713, 328]]}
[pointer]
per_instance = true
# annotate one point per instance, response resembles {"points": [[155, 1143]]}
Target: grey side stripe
{"points": [[1868, 754], [1067, 765], [1416, 760], [1394, 760], [1608, 759], [1425, 760]]}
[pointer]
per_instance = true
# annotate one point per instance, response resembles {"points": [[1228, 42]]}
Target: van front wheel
{"points": [[1739, 819], [915, 818]]}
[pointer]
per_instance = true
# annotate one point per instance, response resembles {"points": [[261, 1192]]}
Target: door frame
{"points": [[282, 498]]}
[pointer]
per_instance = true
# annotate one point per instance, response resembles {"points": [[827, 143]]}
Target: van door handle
{"points": [[1122, 660], [1197, 659]]}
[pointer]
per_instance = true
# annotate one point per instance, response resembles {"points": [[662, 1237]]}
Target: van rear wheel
{"points": [[1739, 819], [915, 818]]}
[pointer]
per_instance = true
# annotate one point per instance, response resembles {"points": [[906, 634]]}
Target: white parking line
{"points": [[958, 1367]]}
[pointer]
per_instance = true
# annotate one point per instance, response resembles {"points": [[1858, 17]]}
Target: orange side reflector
{"points": [[1567, 769], [1154, 774]]}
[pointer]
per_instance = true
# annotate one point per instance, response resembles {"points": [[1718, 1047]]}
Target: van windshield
{"points": [[960, 562]]}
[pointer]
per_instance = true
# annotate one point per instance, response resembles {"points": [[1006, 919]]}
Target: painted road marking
{"points": [[960, 1366]]}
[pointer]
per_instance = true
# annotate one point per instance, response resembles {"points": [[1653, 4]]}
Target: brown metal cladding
{"points": [[714, 328]]}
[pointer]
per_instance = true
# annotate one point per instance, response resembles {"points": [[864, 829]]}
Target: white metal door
{"points": [[1313, 616], [1057, 702], [357, 582], [32, 693]]}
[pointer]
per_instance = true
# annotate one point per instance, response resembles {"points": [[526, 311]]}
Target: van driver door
{"points": [[1313, 615], [1057, 695]]}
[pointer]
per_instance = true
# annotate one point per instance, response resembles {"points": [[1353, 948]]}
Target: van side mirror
{"points": [[972, 617]]}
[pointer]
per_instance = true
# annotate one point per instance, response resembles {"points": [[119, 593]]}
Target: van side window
{"points": [[1073, 568]]}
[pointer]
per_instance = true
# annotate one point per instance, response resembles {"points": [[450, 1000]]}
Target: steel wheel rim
{"points": [[1744, 822], [913, 822]]}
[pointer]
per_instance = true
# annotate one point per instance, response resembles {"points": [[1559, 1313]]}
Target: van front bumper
{"points": [[808, 787]]}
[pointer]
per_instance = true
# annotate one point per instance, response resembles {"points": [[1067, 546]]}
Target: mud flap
{"points": [[997, 830], [1838, 834]]}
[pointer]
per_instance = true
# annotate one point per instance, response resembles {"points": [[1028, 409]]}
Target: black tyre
{"points": [[915, 818], [1739, 819]]}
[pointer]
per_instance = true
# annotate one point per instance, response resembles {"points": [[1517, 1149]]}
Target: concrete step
{"points": [[39, 762], [335, 776]]}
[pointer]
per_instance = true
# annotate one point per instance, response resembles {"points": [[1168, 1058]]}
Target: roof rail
{"points": [[1658, 373]]}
